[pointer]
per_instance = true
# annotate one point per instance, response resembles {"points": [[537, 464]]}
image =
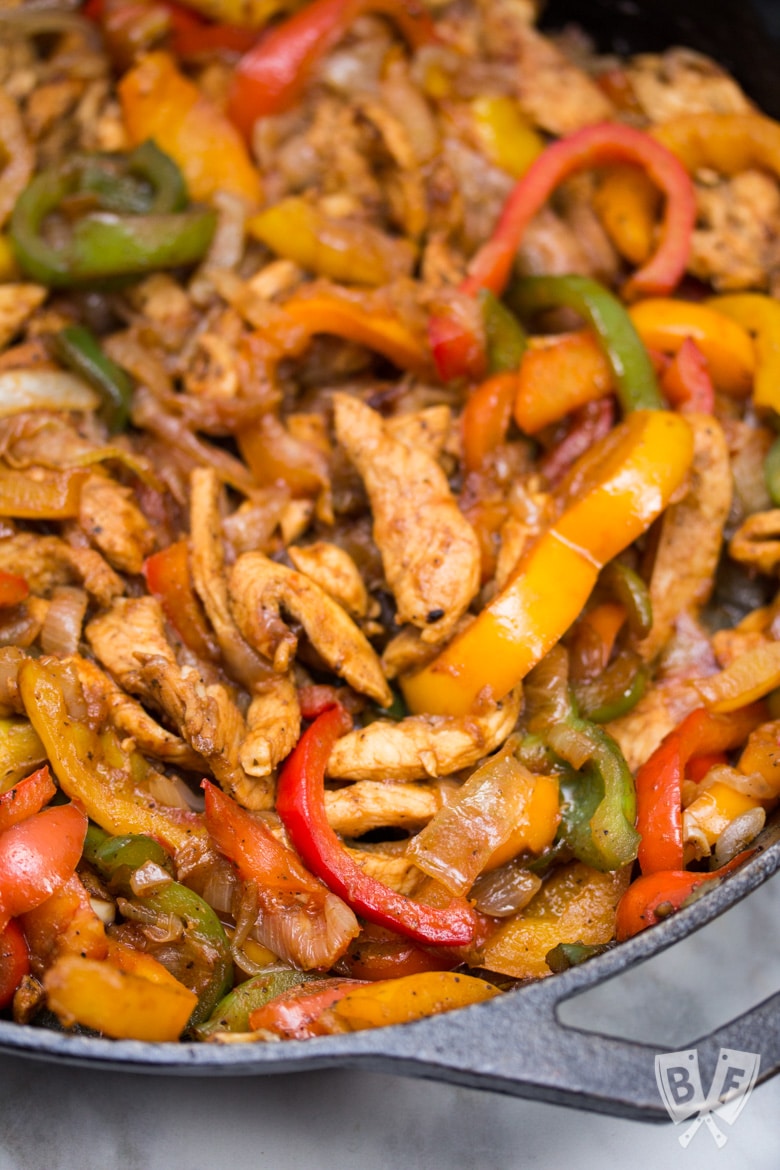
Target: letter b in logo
{"points": [[680, 1084]]}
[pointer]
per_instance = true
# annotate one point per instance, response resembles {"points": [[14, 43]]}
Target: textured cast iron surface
{"points": [[515, 1044]]}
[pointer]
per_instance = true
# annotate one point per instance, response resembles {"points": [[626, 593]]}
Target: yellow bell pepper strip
{"points": [[727, 143], [626, 202], [761, 756], [557, 378], [346, 251], [14, 961], [535, 828], [505, 135], [116, 1003], [611, 496], [92, 768], [159, 102], [665, 324], [9, 269], [632, 371], [594, 146], [346, 317], [659, 781], [51, 495], [271, 77], [686, 382], [20, 751], [576, 904], [400, 1001], [486, 417], [759, 315], [301, 805], [751, 676], [655, 896]]}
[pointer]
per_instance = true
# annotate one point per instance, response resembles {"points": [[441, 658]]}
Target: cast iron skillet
{"points": [[516, 1044]]}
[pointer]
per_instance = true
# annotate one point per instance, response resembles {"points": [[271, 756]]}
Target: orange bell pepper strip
{"points": [[759, 315], [659, 781], [753, 675], [611, 496], [275, 455], [486, 417], [655, 896], [378, 954], [65, 924], [168, 579], [116, 1003], [126, 958], [159, 102], [714, 810], [665, 324], [686, 382], [558, 377], [25, 798], [626, 202], [295, 1014], [94, 769], [726, 143], [347, 318], [14, 961], [271, 77], [13, 589], [400, 1001], [55, 495]]}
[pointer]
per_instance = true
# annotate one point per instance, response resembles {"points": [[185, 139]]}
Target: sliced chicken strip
{"points": [[691, 535], [429, 550], [391, 869], [358, 808], [428, 429], [333, 570], [47, 561], [207, 563], [422, 745], [114, 523], [260, 588], [273, 726], [133, 626]]}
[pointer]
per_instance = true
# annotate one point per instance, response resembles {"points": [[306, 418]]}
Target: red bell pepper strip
{"points": [[294, 1015], [666, 891], [686, 381], [168, 578], [486, 418], [37, 856], [26, 798], [272, 76], [301, 805], [14, 961], [315, 698], [659, 780], [378, 954], [13, 589], [595, 146], [192, 35]]}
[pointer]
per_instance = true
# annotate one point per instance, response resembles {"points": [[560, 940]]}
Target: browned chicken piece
{"points": [[729, 645], [358, 808], [333, 570], [756, 542], [404, 187], [207, 563], [736, 241], [407, 651], [392, 869], [682, 81], [550, 247], [115, 523], [427, 430], [260, 589], [429, 550], [11, 658], [131, 719], [553, 91], [691, 536], [273, 724], [422, 745], [576, 205], [17, 303], [47, 561], [132, 627]]}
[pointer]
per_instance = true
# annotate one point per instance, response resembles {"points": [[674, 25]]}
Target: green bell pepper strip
{"points": [[615, 692], [117, 858], [79, 349], [232, 1013], [772, 472], [506, 340], [145, 182], [631, 591], [102, 244], [632, 370], [567, 955]]}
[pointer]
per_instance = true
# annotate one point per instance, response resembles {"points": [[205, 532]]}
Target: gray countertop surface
{"points": [[54, 1118]]}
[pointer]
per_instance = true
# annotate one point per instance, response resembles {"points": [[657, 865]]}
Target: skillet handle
{"points": [[517, 1045]]}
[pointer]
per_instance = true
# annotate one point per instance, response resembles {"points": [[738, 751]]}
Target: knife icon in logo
{"points": [[679, 1083]]}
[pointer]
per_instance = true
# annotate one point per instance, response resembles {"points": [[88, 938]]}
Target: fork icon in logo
{"points": [[679, 1083]]}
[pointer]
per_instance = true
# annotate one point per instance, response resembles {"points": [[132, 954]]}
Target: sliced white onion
{"points": [[149, 878], [40, 389], [736, 836], [754, 785], [61, 630], [106, 911]]}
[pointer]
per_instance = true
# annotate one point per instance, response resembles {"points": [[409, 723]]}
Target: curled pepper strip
{"points": [[760, 316], [272, 75], [666, 324], [655, 896], [595, 146], [659, 780], [300, 803]]}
